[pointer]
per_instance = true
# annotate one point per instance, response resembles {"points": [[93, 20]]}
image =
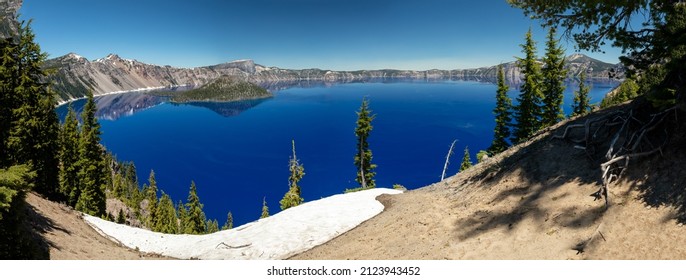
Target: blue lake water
{"points": [[238, 152]]}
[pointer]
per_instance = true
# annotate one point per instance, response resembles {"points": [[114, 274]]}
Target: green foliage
{"points": [[225, 88], [16, 238], [481, 155], [527, 113], [69, 157], [165, 216], [363, 157], [212, 226], [195, 221], [121, 217], [229, 221], [466, 161], [582, 103], [92, 173], [503, 115], [553, 74], [649, 31], [265, 209], [27, 118], [150, 193], [15, 182], [399, 187], [182, 213], [626, 91], [292, 197]]}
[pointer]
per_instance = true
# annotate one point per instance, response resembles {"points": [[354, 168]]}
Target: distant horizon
{"points": [[297, 34], [327, 69]]}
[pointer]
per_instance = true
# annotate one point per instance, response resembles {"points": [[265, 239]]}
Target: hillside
{"points": [[532, 202], [225, 88]]}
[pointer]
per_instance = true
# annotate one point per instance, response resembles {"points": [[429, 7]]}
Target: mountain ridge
{"points": [[74, 75]]}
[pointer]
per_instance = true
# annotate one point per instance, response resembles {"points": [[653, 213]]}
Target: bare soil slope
{"points": [[532, 202], [66, 235]]}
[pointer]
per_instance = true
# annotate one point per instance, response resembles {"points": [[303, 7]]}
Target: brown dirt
{"points": [[531, 202], [67, 235]]}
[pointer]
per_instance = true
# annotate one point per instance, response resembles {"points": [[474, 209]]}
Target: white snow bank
{"points": [[280, 236]]}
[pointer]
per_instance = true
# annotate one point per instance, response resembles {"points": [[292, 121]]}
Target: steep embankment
{"points": [[66, 236], [532, 202]]}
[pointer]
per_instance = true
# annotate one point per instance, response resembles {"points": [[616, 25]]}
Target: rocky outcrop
{"points": [[8, 18]]}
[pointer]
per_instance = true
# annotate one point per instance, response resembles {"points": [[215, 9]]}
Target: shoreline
{"points": [[138, 90]]}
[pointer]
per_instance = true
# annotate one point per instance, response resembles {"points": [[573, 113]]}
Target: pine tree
{"points": [[363, 157], [165, 214], [91, 164], [69, 157], [8, 99], [265, 209], [581, 100], [195, 221], [182, 217], [229, 222], [121, 218], [151, 197], [466, 161], [553, 80], [527, 113], [212, 226], [292, 197], [33, 124], [503, 116]]}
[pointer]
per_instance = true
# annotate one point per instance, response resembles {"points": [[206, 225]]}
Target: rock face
{"points": [[75, 75], [8, 15]]}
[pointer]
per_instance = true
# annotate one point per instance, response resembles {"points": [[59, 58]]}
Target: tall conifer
{"points": [[229, 221], [265, 209], [363, 157], [528, 112], [69, 158], [92, 165], [466, 160], [582, 102], [195, 221], [502, 114], [553, 73], [165, 216], [292, 197], [151, 197]]}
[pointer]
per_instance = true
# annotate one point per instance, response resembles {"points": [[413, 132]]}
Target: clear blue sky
{"points": [[296, 34]]}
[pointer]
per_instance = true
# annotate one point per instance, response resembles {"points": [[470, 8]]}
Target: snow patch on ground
{"points": [[280, 236]]}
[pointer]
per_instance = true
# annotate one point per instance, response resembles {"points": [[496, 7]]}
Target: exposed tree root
{"points": [[622, 136]]}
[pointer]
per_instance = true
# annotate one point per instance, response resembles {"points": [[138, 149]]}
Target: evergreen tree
{"points": [[91, 164], [502, 114], [195, 221], [581, 104], [553, 80], [121, 218], [151, 197], [8, 100], [212, 226], [229, 222], [33, 124], [527, 113], [265, 209], [182, 217], [292, 197], [466, 161], [363, 157], [69, 157], [165, 214], [16, 239]]}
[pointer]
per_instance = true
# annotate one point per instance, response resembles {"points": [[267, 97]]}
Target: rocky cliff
{"points": [[75, 75], [8, 15]]}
